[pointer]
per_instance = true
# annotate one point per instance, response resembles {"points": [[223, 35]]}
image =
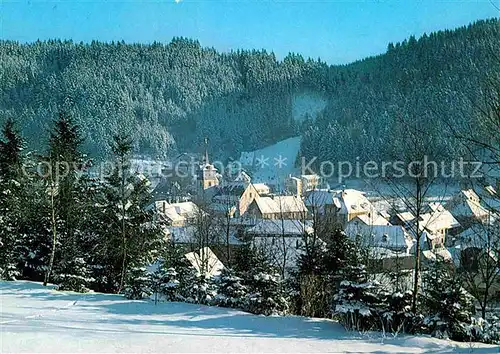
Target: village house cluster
{"points": [[216, 213]]}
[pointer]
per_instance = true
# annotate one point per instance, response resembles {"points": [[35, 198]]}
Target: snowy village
{"points": [[177, 194]]}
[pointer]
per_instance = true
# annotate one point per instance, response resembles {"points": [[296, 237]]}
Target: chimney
{"points": [[164, 206]]}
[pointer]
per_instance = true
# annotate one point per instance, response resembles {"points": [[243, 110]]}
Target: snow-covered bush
{"points": [[137, 284], [74, 276], [397, 316], [359, 302], [487, 331], [230, 290], [169, 285], [10, 272], [450, 308], [199, 289], [266, 295]]}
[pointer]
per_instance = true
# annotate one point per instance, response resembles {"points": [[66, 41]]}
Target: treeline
{"points": [[60, 224], [172, 96]]}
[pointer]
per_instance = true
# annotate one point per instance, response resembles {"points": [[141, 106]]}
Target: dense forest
{"points": [[171, 96]]}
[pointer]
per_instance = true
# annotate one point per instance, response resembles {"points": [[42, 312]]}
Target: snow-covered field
{"points": [[38, 319]]}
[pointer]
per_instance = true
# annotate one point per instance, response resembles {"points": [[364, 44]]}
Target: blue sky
{"points": [[336, 31]]}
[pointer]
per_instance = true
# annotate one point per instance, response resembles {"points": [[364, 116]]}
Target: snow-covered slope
{"points": [[273, 163], [38, 319]]}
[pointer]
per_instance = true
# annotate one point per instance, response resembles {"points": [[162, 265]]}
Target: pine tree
{"points": [[450, 308], [358, 302], [64, 163], [137, 284], [310, 286], [202, 290], [266, 292], [267, 295], [169, 286], [230, 290], [131, 236], [12, 200], [74, 276], [397, 315]]}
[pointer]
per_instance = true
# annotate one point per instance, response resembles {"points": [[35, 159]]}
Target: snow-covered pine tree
{"points": [[309, 287], [266, 290], [131, 233], [267, 295], [74, 276], [12, 198], [449, 307], [64, 164], [198, 288], [398, 316], [230, 290], [358, 302], [485, 330], [174, 258], [170, 285], [137, 284]]}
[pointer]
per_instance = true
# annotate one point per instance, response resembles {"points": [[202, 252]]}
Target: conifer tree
{"points": [[230, 290], [130, 235], [12, 200], [137, 284], [74, 276], [64, 163], [450, 308], [169, 286]]}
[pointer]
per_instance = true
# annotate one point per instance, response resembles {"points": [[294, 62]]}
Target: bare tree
{"points": [[479, 135], [52, 192], [419, 149], [480, 268]]}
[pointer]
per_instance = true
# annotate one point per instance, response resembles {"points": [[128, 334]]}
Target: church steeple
{"points": [[207, 176], [206, 152]]}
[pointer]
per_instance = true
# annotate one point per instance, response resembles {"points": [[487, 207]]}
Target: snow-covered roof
{"points": [[278, 227], [470, 194], [354, 201], [438, 253], [438, 219], [291, 247], [319, 198], [182, 234], [262, 188], [347, 200], [491, 190], [406, 216], [387, 236], [371, 219], [205, 261], [382, 252], [175, 212], [242, 176], [280, 204]]}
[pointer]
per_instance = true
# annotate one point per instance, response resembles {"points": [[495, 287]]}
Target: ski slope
{"points": [[272, 164], [38, 319]]}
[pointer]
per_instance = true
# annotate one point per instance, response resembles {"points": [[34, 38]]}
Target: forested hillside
{"points": [[172, 96]]}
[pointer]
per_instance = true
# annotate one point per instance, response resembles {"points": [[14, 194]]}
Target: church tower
{"points": [[207, 176]]}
